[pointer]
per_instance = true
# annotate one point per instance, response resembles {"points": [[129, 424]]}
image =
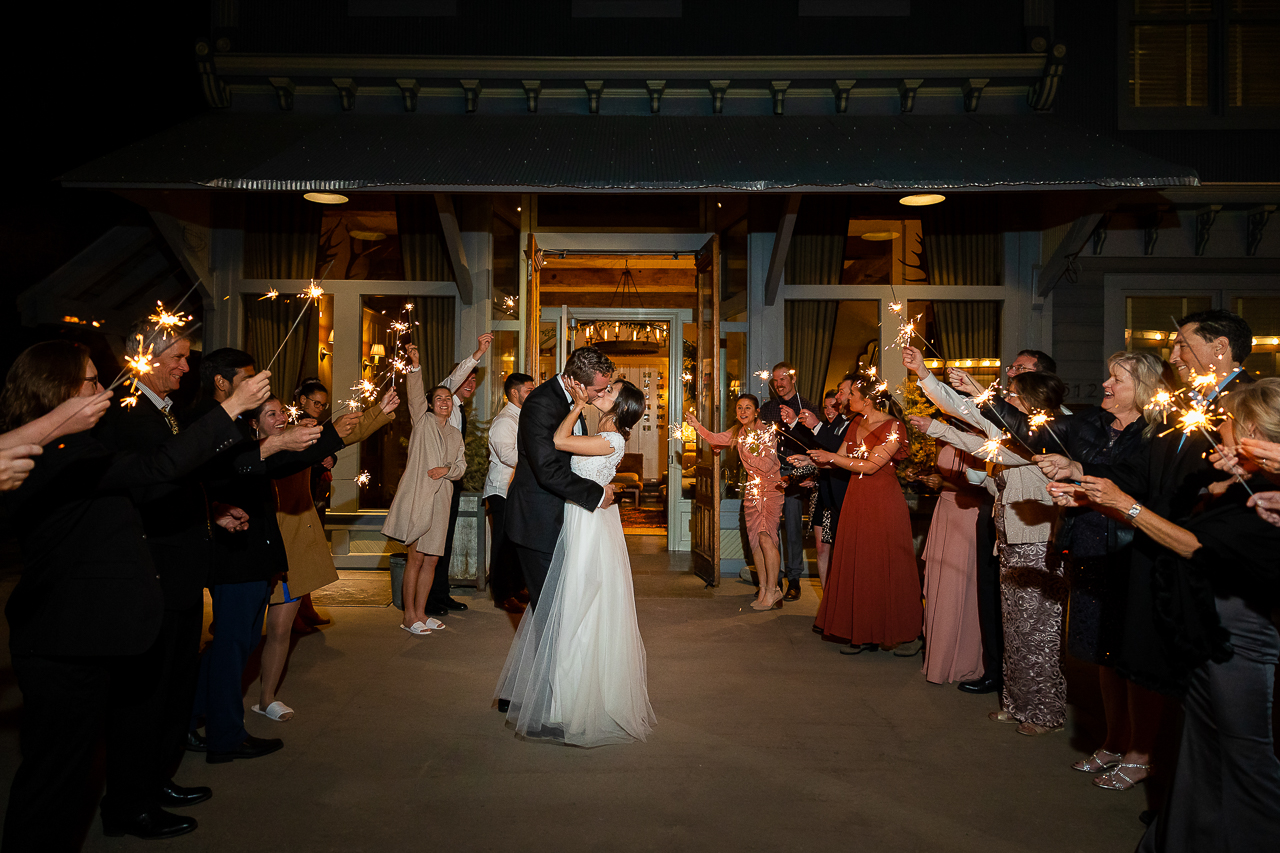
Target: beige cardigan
{"points": [[1029, 510], [420, 509]]}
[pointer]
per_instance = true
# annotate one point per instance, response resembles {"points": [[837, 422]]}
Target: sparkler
{"points": [[270, 294], [362, 479], [293, 412], [166, 321], [313, 292], [1044, 419]]}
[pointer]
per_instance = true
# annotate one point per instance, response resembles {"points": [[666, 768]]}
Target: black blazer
{"points": [[1167, 475], [175, 514], [832, 482], [258, 554], [89, 586], [542, 481]]}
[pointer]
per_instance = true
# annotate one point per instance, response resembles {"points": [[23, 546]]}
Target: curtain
{"points": [[968, 329], [816, 255], [282, 237], [434, 337], [426, 258], [962, 244], [811, 328], [267, 321]]}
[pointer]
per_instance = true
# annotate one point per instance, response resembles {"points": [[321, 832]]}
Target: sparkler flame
{"points": [[129, 402], [895, 307], [270, 294], [1039, 419], [1202, 381], [986, 396], [314, 291], [293, 412], [400, 327], [166, 321], [362, 479]]}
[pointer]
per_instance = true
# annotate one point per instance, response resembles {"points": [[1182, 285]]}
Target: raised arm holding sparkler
{"points": [[756, 447]]}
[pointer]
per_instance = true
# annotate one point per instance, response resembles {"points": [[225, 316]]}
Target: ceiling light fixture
{"points": [[326, 198], [876, 236], [921, 199]]}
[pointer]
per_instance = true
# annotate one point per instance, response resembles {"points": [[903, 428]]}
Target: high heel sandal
{"points": [[774, 603], [1096, 764], [1117, 780]]}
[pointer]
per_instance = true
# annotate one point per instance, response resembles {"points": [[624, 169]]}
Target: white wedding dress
{"points": [[576, 669]]}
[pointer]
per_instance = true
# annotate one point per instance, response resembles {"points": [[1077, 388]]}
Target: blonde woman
{"points": [[419, 514]]}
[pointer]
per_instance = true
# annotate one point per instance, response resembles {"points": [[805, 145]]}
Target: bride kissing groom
{"points": [[576, 669]]}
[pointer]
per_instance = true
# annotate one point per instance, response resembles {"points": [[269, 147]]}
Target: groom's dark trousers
{"points": [[542, 483]]}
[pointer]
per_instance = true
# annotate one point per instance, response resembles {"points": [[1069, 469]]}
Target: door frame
{"points": [[705, 544]]}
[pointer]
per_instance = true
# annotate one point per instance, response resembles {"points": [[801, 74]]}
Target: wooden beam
{"points": [[608, 279], [1070, 246], [781, 243], [453, 241]]}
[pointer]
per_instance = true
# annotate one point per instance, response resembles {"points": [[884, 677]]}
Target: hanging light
{"points": [[326, 198]]}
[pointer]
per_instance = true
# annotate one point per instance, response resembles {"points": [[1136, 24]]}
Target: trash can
{"points": [[397, 579]]}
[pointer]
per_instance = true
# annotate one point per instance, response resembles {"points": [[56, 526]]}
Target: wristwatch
{"points": [[1134, 510]]}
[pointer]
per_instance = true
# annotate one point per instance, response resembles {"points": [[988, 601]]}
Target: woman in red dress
{"points": [[872, 598]]}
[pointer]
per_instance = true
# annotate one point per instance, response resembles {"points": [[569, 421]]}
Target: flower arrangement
{"points": [[924, 450]]}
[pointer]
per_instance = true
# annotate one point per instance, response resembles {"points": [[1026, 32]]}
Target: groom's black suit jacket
{"points": [[542, 481]]}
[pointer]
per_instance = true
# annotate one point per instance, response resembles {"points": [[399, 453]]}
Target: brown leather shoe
{"points": [[511, 605]]}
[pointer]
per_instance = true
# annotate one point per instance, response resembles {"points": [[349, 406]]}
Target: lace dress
{"points": [[576, 669]]}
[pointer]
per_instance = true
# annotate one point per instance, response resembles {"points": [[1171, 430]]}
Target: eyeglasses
{"points": [[1015, 369]]}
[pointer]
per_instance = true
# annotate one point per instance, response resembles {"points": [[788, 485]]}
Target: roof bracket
{"points": [[718, 88], [781, 245], [409, 88], [1255, 224], [216, 92], [972, 89], [595, 88], [1040, 96], [907, 93], [656, 88], [532, 88], [841, 91], [1151, 231], [779, 90], [284, 91], [1205, 217], [471, 93], [1100, 234], [347, 89]]}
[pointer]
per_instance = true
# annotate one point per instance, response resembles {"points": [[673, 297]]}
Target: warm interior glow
{"points": [[880, 235], [326, 198], [921, 199], [377, 350]]}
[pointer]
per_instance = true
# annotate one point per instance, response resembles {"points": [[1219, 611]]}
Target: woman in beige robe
{"points": [[419, 514], [310, 561]]}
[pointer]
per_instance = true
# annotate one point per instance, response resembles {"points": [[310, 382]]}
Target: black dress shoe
{"points": [[793, 590], [153, 823], [252, 747], [985, 684], [450, 603], [431, 608], [197, 742], [504, 705], [174, 796]]}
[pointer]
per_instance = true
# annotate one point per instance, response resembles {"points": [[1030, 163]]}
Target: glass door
{"points": [[706, 498]]}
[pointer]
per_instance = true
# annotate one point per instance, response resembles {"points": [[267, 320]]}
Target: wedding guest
{"points": [[1168, 474], [953, 639], [762, 499], [872, 597], [312, 399], [1266, 455], [20, 446], [419, 514], [1097, 547], [506, 583], [462, 383], [80, 677], [1032, 587], [783, 409], [1216, 586], [245, 561], [832, 482], [309, 561]]}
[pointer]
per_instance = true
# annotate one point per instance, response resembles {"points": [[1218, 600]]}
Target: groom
{"points": [[543, 482]]}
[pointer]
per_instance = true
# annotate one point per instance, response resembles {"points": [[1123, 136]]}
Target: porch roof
{"points": [[600, 153]]}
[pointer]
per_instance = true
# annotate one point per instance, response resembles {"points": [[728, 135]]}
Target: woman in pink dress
{"points": [[952, 641], [762, 501], [872, 598]]}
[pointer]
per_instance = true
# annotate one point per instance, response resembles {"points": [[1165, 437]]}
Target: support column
{"points": [[347, 328]]}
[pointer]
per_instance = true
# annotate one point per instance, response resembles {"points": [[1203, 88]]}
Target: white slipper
{"points": [[275, 711], [432, 624], [418, 628]]}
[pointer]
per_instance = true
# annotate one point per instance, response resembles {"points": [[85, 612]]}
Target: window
{"points": [[1200, 63], [1149, 320], [1262, 313]]}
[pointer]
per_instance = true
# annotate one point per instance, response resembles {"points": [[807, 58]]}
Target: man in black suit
{"points": [[784, 409], [178, 526], [832, 482], [543, 481], [1167, 475]]}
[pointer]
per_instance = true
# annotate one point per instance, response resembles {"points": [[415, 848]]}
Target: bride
{"points": [[576, 669]]}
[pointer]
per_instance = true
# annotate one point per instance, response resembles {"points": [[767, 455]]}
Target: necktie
{"points": [[171, 420]]}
